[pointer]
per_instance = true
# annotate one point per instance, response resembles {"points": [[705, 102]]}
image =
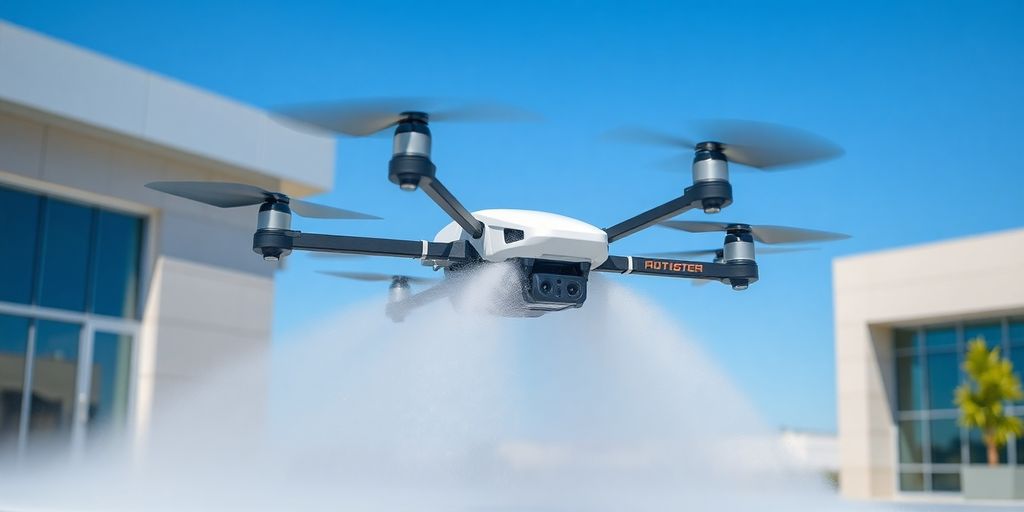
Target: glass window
{"points": [[943, 378], [991, 332], [905, 339], [13, 346], [116, 264], [111, 363], [911, 439], [1017, 359], [940, 338], [945, 441], [18, 225], [979, 454], [1017, 331], [946, 482], [1020, 448], [909, 383], [54, 369], [65, 256], [911, 481]]}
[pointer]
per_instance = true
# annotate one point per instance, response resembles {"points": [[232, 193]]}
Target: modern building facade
{"points": [[903, 318], [114, 297]]}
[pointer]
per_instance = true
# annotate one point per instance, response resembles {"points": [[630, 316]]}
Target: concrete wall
{"points": [[94, 93], [208, 299], [976, 277]]}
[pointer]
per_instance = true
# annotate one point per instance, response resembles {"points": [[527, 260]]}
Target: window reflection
{"points": [[116, 267], [991, 332], [54, 370], [904, 339], [1020, 447], [65, 256], [940, 338], [1017, 331], [946, 482], [1016, 356], [13, 346], [911, 481], [911, 437], [943, 378], [111, 364], [908, 382], [18, 225], [945, 441]]}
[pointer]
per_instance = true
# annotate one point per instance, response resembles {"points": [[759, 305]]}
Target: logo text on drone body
{"points": [[673, 266]]}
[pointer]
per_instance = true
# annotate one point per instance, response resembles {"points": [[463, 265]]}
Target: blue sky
{"points": [[925, 97]]}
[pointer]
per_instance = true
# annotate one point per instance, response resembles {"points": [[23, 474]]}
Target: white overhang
{"points": [[63, 84]]}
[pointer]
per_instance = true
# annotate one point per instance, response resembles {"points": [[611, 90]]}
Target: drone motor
{"points": [[410, 153], [710, 165]]}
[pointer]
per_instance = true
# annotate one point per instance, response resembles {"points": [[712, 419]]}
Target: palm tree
{"points": [[991, 382]]}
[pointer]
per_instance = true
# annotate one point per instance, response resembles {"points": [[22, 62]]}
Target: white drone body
{"points": [[511, 234]]}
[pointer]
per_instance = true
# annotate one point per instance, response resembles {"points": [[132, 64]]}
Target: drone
{"points": [[553, 255]]}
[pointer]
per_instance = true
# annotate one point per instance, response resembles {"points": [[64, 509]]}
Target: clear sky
{"points": [[926, 97]]}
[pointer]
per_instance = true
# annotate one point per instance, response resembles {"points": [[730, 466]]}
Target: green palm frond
{"points": [[991, 383]]}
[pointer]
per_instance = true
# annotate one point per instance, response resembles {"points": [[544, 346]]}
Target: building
{"points": [[115, 296], [902, 319], [812, 451]]}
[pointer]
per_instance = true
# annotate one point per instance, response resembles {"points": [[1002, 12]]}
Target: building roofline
{"points": [[930, 246], [63, 84]]}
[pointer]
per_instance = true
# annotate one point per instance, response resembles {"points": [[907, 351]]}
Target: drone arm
{"points": [[398, 310], [447, 201], [679, 268], [440, 253], [708, 194]]}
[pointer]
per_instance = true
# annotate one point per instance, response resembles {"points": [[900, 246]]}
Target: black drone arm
{"points": [[737, 273], [273, 242], [447, 201], [710, 195]]}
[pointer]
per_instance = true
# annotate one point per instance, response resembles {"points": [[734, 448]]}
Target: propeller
{"points": [[755, 144], [374, 276], [366, 117], [712, 252], [232, 195], [764, 234]]}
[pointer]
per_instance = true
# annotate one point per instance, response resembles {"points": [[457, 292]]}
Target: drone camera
{"points": [[554, 284]]}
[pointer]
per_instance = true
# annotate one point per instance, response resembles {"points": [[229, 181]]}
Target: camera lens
{"points": [[545, 287], [573, 289]]}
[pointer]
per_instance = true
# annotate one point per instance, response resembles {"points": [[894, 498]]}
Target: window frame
{"points": [[90, 322], [926, 415]]}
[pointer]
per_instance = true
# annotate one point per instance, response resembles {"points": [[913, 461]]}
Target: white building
{"points": [[902, 319], [114, 296]]}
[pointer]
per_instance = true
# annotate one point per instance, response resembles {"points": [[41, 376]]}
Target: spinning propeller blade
{"points": [[764, 234], [374, 276], [712, 252], [366, 117], [755, 144], [232, 195]]}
